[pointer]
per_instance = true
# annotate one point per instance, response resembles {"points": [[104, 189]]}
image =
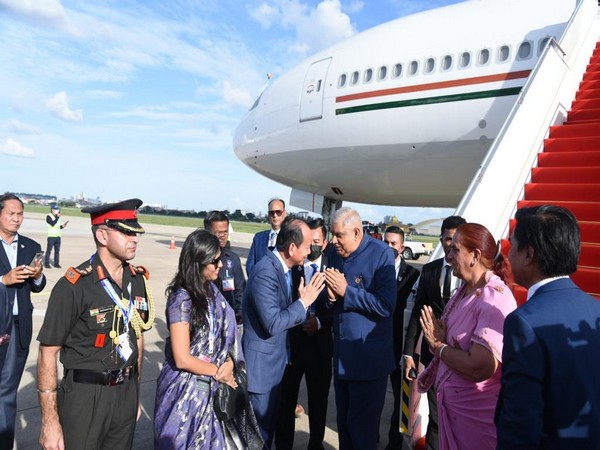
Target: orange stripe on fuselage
{"points": [[432, 86]]}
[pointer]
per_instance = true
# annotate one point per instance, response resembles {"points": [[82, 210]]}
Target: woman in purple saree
{"points": [[202, 350], [467, 342]]}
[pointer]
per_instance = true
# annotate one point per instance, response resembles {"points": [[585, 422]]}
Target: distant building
{"points": [[431, 227]]}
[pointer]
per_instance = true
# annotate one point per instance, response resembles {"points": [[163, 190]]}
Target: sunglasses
{"points": [[275, 212], [215, 262]]}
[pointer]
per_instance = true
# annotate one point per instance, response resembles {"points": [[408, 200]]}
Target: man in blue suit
{"points": [[361, 285], [550, 361], [264, 241], [269, 313], [21, 275]]}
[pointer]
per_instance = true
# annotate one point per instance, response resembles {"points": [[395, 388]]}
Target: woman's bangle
{"points": [[442, 350], [46, 391], [216, 371]]}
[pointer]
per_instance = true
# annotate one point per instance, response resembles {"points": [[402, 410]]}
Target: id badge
{"points": [[124, 347], [228, 284]]}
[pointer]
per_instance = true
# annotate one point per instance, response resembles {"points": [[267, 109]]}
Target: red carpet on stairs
{"points": [[568, 174]]}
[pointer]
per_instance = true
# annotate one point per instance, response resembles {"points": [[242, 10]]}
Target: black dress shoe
{"points": [[58, 266], [47, 266]]}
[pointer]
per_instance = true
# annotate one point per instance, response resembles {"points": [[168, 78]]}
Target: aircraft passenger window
{"points": [[382, 73], [503, 53], [542, 45], [342, 80], [429, 65], [484, 57], [354, 78], [397, 70], [447, 62], [524, 50], [413, 68], [465, 60], [368, 75]]}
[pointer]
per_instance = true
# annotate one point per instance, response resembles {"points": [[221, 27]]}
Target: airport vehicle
{"points": [[403, 113], [414, 250]]}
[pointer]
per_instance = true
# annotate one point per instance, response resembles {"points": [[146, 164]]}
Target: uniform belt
{"points": [[105, 378]]}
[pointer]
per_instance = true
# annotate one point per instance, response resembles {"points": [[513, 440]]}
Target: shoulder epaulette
{"points": [[135, 270], [74, 273]]}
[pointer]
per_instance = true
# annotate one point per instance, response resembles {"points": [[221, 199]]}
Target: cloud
{"points": [[13, 148], [59, 107], [48, 13], [18, 127], [236, 96], [265, 15]]}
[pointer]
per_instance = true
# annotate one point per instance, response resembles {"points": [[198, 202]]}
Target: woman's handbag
{"points": [[230, 402]]}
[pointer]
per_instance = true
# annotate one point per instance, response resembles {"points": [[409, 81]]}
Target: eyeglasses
{"points": [[215, 262], [275, 212], [221, 233]]}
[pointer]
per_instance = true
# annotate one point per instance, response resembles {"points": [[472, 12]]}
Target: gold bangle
{"points": [[46, 391]]}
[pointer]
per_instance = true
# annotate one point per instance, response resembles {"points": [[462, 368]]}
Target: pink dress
{"points": [[466, 408]]}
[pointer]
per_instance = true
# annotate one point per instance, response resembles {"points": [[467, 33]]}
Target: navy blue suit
{"points": [[258, 249], [18, 347], [363, 352], [268, 313], [550, 397]]}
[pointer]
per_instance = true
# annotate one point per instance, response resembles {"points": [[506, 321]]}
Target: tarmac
{"points": [[153, 253]]}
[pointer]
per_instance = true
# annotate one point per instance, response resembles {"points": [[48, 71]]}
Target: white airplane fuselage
{"points": [[403, 113]]}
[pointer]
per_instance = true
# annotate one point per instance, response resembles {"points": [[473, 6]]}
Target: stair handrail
{"points": [[560, 65]]}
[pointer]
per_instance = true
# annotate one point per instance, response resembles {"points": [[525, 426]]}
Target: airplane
{"points": [[400, 114]]}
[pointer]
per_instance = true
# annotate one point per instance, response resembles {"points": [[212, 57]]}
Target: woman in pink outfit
{"points": [[467, 341]]}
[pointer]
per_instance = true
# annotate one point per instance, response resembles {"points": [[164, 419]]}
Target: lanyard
{"points": [[110, 290]]}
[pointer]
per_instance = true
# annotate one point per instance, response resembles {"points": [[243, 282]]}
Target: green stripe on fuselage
{"points": [[430, 100]]}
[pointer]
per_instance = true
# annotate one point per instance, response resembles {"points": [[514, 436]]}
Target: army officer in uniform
{"points": [[95, 318]]}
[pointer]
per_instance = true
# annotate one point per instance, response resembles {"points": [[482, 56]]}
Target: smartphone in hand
{"points": [[38, 258]]}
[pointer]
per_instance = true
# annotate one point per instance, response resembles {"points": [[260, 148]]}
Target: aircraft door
{"points": [[313, 89]]}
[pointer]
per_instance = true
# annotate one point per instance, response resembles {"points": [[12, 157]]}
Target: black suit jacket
{"points": [[428, 293], [324, 335], [407, 275], [26, 250]]}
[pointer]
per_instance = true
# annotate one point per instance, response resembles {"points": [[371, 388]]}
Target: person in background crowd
{"points": [[406, 276], [55, 226], [265, 241], [435, 287], [311, 353], [231, 281]]}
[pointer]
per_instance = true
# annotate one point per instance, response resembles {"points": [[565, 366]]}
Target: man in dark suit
{"points": [[435, 287], [264, 241], [361, 285], [405, 279], [231, 281], [269, 313], [21, 275], [550, 360], [311, 353]]}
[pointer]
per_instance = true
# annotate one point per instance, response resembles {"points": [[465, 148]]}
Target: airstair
{"points": [[548, 151]]}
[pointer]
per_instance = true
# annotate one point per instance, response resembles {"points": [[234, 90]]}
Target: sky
{"points": [[140, 98]]}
